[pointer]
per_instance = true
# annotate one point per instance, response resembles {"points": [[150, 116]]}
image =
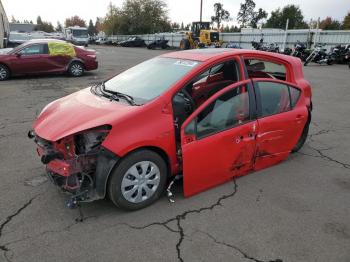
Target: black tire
{"points": [[76, 69], [185, 44], [4, 73], [115, 183], [303, 136]]}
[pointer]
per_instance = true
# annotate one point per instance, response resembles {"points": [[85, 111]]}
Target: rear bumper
{"points": [[91, 65]]}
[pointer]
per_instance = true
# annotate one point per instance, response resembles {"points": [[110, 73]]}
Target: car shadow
{"points": [[88, 74], [105, 207]]}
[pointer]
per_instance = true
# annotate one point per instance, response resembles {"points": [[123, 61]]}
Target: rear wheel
{"points": [[4, 72], [138, 181], [76, 69]]}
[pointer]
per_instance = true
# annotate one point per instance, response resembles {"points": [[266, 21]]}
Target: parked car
{"points": [[134, 41], [46, 56], [103, 41], [159, 43], [208, 114]]}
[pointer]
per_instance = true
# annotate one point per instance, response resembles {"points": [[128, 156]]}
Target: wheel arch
{"points": [[75, 60], [103, 177], [8, 67]]}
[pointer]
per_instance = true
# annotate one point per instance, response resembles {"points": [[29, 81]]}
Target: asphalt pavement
{"points": [[298, 210]]}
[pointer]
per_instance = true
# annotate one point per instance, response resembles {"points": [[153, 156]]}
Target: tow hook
{"points": [[168, 190], [31, 134], [72, 203]]}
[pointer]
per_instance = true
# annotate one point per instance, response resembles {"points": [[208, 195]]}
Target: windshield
{"points": [[150, 78], [80, 33], [14, 50]]}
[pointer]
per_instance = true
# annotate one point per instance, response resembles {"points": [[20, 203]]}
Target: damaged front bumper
{"points": [[77, 164]]}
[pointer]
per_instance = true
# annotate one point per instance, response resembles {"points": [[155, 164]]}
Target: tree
{"points": [[175, 26], [329, 24], [38, 20], [75, 21], [43, 26], [111, 21], [59, 27], [220, 14], [257, 16], [126, 20], [246, 12], [346, 22], [13, 19], [91, 28], [279, 18], [98, 25]]}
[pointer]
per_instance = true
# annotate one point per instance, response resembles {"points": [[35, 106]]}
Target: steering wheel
{"points": [[189, 99]]}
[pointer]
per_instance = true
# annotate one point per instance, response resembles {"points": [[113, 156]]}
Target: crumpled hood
{"points": [[77, 112]]}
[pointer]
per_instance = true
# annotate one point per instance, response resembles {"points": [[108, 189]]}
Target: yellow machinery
{"points": [[200, 36]]}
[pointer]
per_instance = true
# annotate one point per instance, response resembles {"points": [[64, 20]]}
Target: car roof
{"points": [[205, 54], [45, 40]]}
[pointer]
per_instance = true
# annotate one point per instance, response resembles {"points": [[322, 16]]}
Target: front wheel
{"points": [[138, 181], [4, 72], [76, 69]]}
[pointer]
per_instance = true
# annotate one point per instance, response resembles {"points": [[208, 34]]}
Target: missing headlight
{"points": [[89, 141]]}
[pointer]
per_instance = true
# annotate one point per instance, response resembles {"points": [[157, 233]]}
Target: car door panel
{"points": [[278, 133], [30, 63], [58, 63], [216, 158]]}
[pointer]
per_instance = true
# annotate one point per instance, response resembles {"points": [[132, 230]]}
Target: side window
{"points": [[34, 50], [274, 98], [213, 80], [264, 69], [294, 95], [229, 110]]}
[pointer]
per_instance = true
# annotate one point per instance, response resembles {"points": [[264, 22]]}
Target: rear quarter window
{"points": [[257, 68]]}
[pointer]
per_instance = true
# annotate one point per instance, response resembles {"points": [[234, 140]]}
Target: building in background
{"points": [[22, 27], [4, 27]]}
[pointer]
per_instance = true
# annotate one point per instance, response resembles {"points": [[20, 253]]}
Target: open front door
{"points": [[218, 139]]}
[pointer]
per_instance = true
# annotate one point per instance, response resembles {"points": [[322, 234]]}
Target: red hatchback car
{"points": [[46, 56], [207, 114]]}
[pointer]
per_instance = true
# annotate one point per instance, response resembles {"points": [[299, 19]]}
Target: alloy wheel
{"points": [[76, 69], [3, 73]]}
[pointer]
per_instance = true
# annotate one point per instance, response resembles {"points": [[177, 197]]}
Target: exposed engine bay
{"points": [[71, 162]]}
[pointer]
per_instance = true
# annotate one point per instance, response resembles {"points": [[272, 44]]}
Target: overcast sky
{"points": [[179, 10]]}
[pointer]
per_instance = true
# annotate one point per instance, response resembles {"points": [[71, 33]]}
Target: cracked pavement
{"points": [[296, 211]]}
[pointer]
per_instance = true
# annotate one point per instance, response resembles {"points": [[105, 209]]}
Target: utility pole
{"points": [[200, 18]]}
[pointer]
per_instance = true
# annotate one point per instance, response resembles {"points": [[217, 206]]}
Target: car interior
{"points": [[201, 88]]}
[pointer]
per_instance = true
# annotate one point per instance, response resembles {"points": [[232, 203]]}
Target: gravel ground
{"points": [[298, 210]]}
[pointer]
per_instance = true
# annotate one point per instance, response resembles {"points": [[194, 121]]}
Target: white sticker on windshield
{"points": [[186, 63]]}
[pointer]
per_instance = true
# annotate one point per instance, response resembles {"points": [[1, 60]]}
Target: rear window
{"points": [[264, 69]]}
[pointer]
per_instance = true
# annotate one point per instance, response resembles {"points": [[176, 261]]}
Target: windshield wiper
{"points": [[114, 95]]}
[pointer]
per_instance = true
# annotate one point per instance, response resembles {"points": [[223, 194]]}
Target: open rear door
{"points": [[218, 139]]}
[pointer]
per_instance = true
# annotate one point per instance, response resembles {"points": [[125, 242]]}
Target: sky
{"points": [[178, 10]]}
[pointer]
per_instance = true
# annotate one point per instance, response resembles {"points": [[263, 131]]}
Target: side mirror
{"points": [[18, 54]]}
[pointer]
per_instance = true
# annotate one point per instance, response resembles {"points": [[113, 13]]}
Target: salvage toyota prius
{"points": [[207, 115]]}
